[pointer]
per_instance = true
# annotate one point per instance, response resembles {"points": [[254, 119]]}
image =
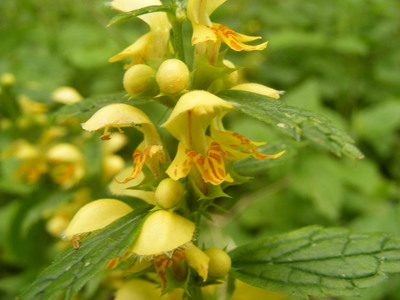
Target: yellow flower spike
{"points": [[118, 115], [125, 189], [96, 215], [220, 262], [66, 95], [258, 89], [152, 45], [163, 231], [198, 260]]}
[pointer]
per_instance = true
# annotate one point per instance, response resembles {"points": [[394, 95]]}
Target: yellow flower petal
{"points": [[211, 166], [236, 41], [163, 231], [198, 260], [200, 104], [258, 89], [182, 163], [96, 215], [116, 115], [203, 33], [125, 189], [139, 156]]}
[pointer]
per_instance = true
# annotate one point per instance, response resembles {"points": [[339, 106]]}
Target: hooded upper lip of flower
{"points": [[204, 30], [150, 151], [152, 45]]}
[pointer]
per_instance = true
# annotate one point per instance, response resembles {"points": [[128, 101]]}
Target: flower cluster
{"points": [[174, 177]]}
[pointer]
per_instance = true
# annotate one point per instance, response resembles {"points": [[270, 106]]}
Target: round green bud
{"points": [[169, 193], [137, 79], [220, 262], [172, 76]]}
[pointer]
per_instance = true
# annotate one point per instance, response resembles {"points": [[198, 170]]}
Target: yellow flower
{"points": [[201, 155], [163, 231], [188, 123], [94, 216], [118, 115], [258, 89], [66, 95], [236, 145], [126, 189], [165, 238], [67, 164], [152, 45], [208, 35]]}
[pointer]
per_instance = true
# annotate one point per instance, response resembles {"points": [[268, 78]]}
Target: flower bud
{"points": [[172, 76], [220, 262], [137, 79], [169, 193], [96, 215]]}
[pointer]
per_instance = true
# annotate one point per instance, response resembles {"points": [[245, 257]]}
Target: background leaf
{"points": [[88, 107], [294, 121], [73, 268], [317, 261], [138, 12]]}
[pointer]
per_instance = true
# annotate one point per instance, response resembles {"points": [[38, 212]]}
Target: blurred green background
{"points": [[337, 58]]}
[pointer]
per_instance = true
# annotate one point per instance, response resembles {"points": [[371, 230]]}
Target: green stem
{"points": [[195, 293], [177, 19]]}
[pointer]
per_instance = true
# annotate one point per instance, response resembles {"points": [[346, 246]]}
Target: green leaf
{"points": [[317, 261], [294, 121], [89, 106], [135, 13], [73, 268]]}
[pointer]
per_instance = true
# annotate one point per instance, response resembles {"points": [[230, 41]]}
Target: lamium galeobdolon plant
{"points": [[183, 165]]}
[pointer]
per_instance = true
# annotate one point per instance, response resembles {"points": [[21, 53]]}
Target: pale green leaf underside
{"points": [[294, 121], [87, 107], [317, 261], [73, 268]]}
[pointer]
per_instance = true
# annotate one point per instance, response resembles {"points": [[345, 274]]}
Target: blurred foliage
{"points": [[337, 58]]}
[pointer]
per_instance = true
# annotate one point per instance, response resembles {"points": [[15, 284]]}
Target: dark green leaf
{"points": [[88, 107], [294, 121], [134, 13], [317, 261], [73, 268]]}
